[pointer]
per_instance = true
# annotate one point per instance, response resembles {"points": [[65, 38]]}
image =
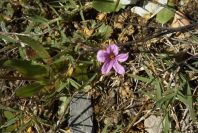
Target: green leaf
{"points": [[64, 104], [165, 15], [60, 86], [8, 38], [73, 3], [195, 63], [105, 31], [59, 65], [166, 123], [143, 79], [8, 115], [74, 83], [158, 88], [10, 128], [186, 97], [29, 90], [39, 19], [164, 99], [22, 52], [10, 10], [81, 73], [118, 129], [192, 68], [107, 5], [195, 38], [105, 129], [11, 121], [187, 100], [90, 79], [27, 68], [37, 46]]}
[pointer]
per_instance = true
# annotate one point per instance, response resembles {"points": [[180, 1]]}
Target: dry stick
{"points": [[133, 120], [161, 33], [17, 78], [23, 34]]}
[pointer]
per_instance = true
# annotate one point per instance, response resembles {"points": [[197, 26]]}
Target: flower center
{"points": [[112, 56]]}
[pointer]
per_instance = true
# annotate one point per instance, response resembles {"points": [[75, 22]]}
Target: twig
{"points": [[161, 33], [17, 78], [22, 34], [133, 120]]}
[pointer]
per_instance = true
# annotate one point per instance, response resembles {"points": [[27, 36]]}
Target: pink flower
{"points": [[111, 58]]}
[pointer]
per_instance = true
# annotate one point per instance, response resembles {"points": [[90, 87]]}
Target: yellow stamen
{"points": [[111, 56]]}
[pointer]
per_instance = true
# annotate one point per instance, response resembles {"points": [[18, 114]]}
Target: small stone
{"points": [[81, 114], [153, 124]]}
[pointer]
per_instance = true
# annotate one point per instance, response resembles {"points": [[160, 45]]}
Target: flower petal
{"points": [[122, 57], [118, 68], [112, 49], [107, 66], [102, 55]]}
